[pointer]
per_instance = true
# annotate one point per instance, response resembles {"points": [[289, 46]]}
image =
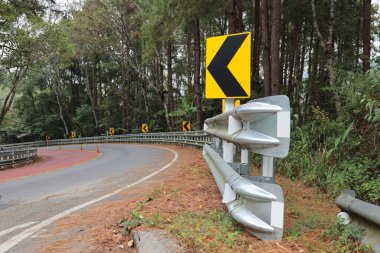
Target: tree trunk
{"points": [[239, 16], [90, 92], [170, 83], [231, 15], [8, 101], [328, 46], [293, 40], [160, 85], [61, 114], [265, 42], [146, 106], [189, 64], [197, 73], [314, 74], [256, 47], [366, 35], [283, 53], [275, 48]]}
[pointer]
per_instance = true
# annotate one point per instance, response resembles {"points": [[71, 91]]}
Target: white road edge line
{"points": [[10, 230], [30, 231]]}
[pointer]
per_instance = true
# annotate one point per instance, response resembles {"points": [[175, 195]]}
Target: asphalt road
{"points": [[29, 204]]}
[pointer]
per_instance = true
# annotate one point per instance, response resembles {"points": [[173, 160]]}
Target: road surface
{"points": [[30, 203]]}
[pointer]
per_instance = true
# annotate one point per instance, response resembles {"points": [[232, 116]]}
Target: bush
{"points": [[338, 153]]}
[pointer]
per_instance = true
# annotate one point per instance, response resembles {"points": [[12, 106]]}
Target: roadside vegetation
{"points": [[203, 225], [335, 153]]}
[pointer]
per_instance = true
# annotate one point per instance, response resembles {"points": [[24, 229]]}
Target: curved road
{"points": [[28, 204]]}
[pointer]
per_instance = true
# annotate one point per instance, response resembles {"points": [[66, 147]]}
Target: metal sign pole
{"points": [[228, 148]]}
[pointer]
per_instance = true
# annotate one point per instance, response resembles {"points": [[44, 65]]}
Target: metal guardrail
{"points": [[194, 138], [12, 158], [365, 215], [17, 153], [261, 126]]}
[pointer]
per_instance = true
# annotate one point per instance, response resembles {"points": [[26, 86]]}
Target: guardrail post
{"points": [[228, 148], [268, 166]]}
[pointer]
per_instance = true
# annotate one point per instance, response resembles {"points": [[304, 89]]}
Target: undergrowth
{"points": [[334, 152], [202, 231], [346, 238]]}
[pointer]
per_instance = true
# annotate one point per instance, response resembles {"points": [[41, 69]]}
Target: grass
{"points": [[346, 238], [210, 229], [206, 230]]}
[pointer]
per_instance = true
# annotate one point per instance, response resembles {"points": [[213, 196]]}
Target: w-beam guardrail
{"points": [[14, 157], [194, 138], [260, 126], [365, 215]]}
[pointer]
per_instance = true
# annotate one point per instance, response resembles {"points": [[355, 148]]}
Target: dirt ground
{"points": [[187, 191], [49, 160]]}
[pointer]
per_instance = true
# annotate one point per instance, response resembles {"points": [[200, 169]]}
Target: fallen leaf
{"points": [[130, 243]]}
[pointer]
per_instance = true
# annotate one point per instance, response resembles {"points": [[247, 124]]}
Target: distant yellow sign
{"points": [[111, 131], [73, 134], [228, 66], [144, 128], [186, 126]]}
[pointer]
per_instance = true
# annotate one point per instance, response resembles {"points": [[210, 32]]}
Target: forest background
{"points": [[97, 64]]}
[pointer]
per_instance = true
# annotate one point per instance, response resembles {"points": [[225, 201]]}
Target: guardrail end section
{"points": [[271, 212], [250, 190], [242, 215], [363, 214]]}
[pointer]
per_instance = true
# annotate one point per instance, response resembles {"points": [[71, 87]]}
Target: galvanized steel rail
{"points": [[12, 158], [365, 215], [261, 126], [194, 138], [18, 153]]}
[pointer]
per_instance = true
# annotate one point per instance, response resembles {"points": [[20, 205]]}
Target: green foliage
{"points": [[346, 238], [194, 228], [135, 221], [335, 154], [306, 219], [82, 122]]}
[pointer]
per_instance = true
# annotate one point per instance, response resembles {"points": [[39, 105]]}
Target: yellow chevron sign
{"points": [[111, 131], [228, 66], [186, 126], [144, 128], [73, 134]]}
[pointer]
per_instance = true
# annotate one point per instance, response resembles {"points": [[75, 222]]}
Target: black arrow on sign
{"points": [[219, 70], [145, 128], [186, 126]]}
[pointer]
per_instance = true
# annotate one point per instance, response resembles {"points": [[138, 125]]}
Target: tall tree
{"points": [[328, 45], [265, 42], [276, 69], [366, 34], [256, 45], [18, 44], [197, 73]]}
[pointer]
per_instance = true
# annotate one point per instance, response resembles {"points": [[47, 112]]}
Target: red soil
{"points": [[52, 159]]}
